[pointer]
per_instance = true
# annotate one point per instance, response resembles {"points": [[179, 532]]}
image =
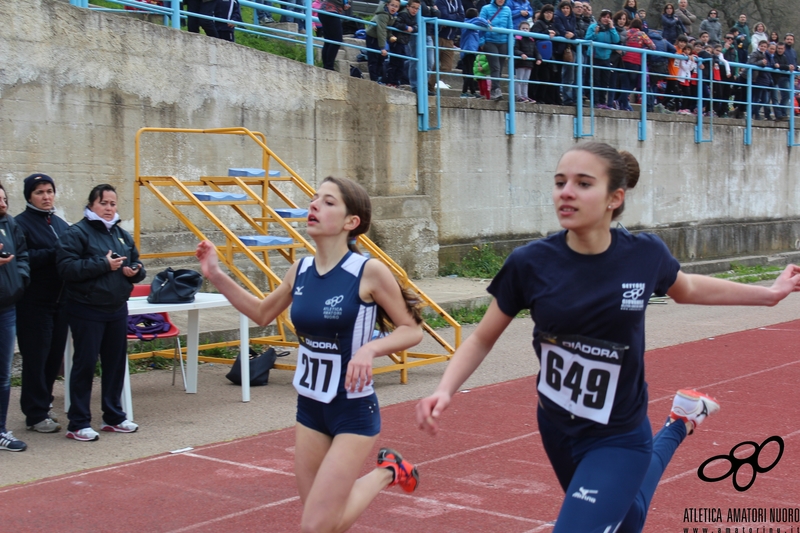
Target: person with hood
{"points": [[671, 27], [494, 44], [379, 35], [713, 26], [547, 74], [602, 32], [521, 11], [41, 317], [14, 276], [565, 24], [451, 10], [657, 67], [99, 262]]}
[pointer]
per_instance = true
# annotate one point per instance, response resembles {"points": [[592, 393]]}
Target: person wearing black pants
{"points": [[331, 30], [99, 263], [201, 7], [41, 318]]}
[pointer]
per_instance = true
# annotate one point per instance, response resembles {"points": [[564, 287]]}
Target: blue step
{"points": [[265, 240], [219, 196], [247, 172], [292, 213]]}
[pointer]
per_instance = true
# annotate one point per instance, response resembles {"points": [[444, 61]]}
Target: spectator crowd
{"points": [[545, 70]]}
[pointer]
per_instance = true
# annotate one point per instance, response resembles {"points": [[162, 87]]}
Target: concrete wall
{"points": [[76, 86]]}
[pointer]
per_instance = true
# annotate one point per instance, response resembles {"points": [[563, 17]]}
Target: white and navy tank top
{"points": [[332, 322]]}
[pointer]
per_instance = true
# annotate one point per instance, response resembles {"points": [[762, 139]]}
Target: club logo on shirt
{"points": [[583, 494], [298, 291], [632, 297], [332, 310]]}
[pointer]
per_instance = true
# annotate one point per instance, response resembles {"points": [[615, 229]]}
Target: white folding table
{"points": [[203, 300]]}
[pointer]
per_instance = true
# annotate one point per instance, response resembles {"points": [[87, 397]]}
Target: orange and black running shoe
{"points": [[405, 474]]}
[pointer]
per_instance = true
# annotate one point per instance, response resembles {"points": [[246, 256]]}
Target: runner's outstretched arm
{"points": [[261, 311], [467, 358], [705, 290]]}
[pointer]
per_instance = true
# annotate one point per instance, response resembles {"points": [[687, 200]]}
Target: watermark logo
{"points": [[736, 463]]}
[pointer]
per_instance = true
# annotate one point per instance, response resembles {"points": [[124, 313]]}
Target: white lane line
{"points": [[236, 515], [694, 471], [479, 448], [241, 465], [751, 374], [456, 507], [83, 474]]}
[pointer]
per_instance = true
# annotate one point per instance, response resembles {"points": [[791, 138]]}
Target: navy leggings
{"points": [[609, 481]]}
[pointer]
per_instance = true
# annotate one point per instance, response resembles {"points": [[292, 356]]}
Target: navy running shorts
{"points": [[359, 416]]}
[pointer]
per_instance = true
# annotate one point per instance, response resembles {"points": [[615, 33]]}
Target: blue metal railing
{"points": [[583, 50]]}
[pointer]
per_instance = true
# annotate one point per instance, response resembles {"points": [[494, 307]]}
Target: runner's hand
{"points": [[429, 409], [359, 370], [787, 282], [207, 255]]}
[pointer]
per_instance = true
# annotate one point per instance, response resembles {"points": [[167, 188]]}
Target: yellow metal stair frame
{"points": [[259, 255]]}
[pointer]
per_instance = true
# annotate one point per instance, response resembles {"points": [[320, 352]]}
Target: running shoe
{"points": [[83, 435], [48, 425], [692, 406], [11, 443], [126, 426], [404, 473]]}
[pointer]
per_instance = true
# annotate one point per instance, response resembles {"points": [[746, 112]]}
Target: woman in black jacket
{"points": [[14, 275], [547, 74], [100, 263], [41, 318]]}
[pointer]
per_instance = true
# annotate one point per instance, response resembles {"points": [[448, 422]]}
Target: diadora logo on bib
{"points": [[632, 297], [332, 310], [592, 350], [584, 494], [319, 345]]}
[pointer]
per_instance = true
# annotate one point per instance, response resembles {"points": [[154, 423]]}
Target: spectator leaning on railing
{"points": [[378, 35], [782, 81], [791, 55], [632, 61], [565, 25]]}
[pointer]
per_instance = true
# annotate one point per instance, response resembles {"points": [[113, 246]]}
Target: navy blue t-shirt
{"points": [[601, 298], [332, 322]]}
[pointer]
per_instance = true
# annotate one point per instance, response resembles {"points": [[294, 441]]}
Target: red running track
{"points": [[485, 472]]}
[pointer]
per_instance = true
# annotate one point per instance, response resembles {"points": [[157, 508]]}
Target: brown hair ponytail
{"points": [[356, 200]]}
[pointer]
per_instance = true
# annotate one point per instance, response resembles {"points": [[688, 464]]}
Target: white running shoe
{"points": [[692, 406], [126, 426], [83, 435]]}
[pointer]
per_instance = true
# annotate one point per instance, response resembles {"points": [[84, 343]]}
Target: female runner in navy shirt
{"points": [[337, 297], [587, 289]]}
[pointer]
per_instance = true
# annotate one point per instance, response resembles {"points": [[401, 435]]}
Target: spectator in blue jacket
{"points": [[602, 32], [565, 24], [498, 15], [521, 11], [671, 27], [470, 42], [451, 10], [228, 10], [658, 69]]}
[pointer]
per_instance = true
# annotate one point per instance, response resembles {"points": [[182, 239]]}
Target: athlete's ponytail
{"points": [[357, 202]]}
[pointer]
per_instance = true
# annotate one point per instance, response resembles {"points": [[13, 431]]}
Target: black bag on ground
{"points": [[174, 286], [260, 365]]}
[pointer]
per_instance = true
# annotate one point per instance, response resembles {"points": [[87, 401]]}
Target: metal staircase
{"points": [[254, 195]]}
